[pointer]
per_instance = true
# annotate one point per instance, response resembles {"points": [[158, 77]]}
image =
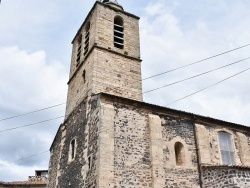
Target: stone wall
{"points": [[177, 130], [144, 149], [132, 148], [224, 176], [108, 69], [81, 125], [209, 148]]}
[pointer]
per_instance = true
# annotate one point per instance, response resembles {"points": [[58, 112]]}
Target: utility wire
{"points": [[28, 125], [171, 70], [20, 159], [209, 86], [168, 104], [38, 110], [173, 83], [196, 62]]}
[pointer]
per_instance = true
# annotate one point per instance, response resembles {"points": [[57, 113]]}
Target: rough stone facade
{"points": [[209, 144], [111, 139], [108, 69], [224, 176], [81, 126]]}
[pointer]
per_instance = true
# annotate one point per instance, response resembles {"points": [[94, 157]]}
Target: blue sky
{"points": [[35, 52]]}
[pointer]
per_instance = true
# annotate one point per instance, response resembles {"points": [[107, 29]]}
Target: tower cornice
{"points": [[101, 48]]}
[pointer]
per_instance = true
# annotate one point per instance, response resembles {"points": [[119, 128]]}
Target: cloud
{"points": [[175, 34], [27, 82]]}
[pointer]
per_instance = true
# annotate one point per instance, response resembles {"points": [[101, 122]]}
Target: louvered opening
{"points": [[87, 35], [118, 32], [79, 50]]}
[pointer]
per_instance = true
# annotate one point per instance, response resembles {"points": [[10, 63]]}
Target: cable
{"points": [[171, 70], [196, 62], [5, 130], [173, 83], [209, 86], [31, 156], [38, 110]]}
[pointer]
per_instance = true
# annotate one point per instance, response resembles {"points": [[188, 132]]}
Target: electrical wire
{"points": [[171, 70], [173, 83], [23, 158], [28, 125], [208, 86], [38, 110], [196, 62]]}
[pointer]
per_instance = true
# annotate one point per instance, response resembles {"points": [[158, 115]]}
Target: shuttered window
{"points": [[226, 148], [79, 50], [87, 35], [118, 32]]}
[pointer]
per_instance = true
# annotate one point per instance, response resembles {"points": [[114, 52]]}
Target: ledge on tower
{"points": [[113, 3]]}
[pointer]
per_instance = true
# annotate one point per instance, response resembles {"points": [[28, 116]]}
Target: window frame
{"points": [[227, 156]]}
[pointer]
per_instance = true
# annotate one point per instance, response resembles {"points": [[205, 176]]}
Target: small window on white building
{"points": [[226, 148], [118, 32], [87, 36]]}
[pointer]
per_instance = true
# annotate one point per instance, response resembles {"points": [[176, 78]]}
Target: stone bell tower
{"points": [[106, 55]]}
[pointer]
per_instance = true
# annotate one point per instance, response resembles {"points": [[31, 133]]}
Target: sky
{"points": [[35, 52]]}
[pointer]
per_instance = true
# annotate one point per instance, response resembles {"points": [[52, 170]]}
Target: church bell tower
{"points": [[105, 55]]}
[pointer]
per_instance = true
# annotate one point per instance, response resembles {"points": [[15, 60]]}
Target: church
{"points": [[110, 138]]}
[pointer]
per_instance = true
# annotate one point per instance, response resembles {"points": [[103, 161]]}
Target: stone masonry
{"points": [[108, 69], [111, 139], [223, 176]]}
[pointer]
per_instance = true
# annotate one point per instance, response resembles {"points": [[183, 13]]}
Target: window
{"points": [[87, 35], [72, 149], [90, 162], [179, 154], [226, 148], [118, 32], [84, 76], [79, 50]]}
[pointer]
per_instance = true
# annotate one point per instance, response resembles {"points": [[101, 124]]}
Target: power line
{"points": [[173, 83], [196, 62], [28, 125], [38, 110], [168, 104], [171, 70], [20, 159], [209, 86]]}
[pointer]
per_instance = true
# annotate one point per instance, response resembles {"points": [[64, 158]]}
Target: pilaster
{"points": [[106, 147], [156, 152]]}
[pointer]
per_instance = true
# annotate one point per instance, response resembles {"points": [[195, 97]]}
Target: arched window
{"points": [[179, 154], [226, 148], [79, 50], [87, 35], [72, 149], [118, 32]]}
